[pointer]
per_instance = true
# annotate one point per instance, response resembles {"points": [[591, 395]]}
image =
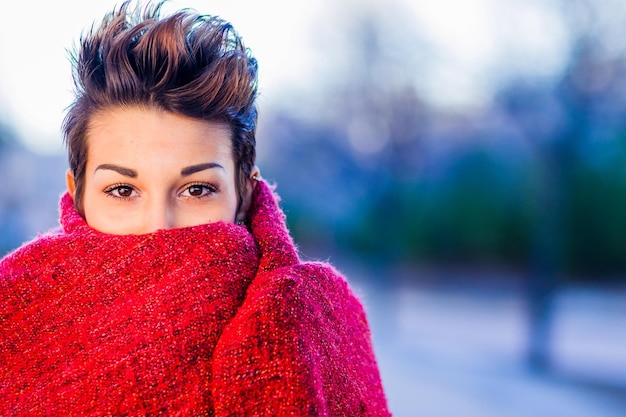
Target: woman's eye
{"points": [[198, 190], [121, 191]]}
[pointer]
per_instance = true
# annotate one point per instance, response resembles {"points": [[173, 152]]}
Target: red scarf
{"points": [[206, 320]]}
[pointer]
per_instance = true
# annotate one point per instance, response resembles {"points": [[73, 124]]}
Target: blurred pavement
{"points": [[460, 350]]}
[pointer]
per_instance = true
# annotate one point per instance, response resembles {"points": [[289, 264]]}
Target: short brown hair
{"points": [[186, 63]]}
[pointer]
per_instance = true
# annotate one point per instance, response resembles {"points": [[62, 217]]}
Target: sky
{"points": [[471, 40]]}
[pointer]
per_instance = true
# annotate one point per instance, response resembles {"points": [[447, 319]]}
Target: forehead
{"points": [[134, 134], [131, 116]]}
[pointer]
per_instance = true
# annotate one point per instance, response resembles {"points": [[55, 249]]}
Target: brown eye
{"points": [[124, 191], [121, 191], [196, 190]]}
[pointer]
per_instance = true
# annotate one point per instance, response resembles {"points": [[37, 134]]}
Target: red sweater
{"points": [[211, 320]]}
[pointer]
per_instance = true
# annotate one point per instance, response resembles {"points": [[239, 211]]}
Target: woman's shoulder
{"points": [[301, 277], [302, 330], [304, 291], [43, 246]]}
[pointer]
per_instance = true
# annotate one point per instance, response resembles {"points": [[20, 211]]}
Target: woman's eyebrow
{"points": [[199, 167], [127, 172]]}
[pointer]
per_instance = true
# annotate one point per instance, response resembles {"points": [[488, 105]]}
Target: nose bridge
{"points": [[159, 214]]}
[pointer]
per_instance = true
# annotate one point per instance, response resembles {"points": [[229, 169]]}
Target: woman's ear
{"points": [[70, 183], [244, 208]]}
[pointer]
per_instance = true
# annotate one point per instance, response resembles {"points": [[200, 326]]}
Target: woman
{"points": [[173, 286]]}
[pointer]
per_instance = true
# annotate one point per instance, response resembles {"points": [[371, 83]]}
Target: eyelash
{"points": [[109, 190], [208, 189]]}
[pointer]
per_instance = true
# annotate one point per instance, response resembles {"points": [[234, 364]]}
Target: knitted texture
{"points": [[207, 320]]}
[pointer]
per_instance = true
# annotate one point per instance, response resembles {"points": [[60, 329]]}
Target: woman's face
{"points": [[149, 169]]}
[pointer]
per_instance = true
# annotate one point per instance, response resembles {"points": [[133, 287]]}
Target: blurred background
{"points": [[463, 163]]}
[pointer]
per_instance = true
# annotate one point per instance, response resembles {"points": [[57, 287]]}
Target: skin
{"points": [[149, 169]]}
